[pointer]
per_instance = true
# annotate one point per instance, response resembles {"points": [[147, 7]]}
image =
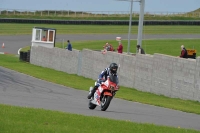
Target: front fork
{"points": [[107, 93]]}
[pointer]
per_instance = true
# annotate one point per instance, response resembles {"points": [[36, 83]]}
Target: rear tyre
{"points": [[91, 105], [105, 102]]}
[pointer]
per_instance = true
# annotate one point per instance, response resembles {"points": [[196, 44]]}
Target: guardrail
{"points": [[69, 13]]}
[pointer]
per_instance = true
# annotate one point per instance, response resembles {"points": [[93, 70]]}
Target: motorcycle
{"points": [[104, 93]]}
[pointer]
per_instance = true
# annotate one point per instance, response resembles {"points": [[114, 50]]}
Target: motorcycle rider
{"points": [[112, 69]]}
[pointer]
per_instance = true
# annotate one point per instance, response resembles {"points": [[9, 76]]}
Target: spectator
{"points": [[107, 47], [140, 50], [44, 38], [120, 48], [183, 52], [69, 46], [111, 48]]}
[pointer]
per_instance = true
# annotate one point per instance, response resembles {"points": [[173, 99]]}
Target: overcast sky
{"points": [[101, 5]]}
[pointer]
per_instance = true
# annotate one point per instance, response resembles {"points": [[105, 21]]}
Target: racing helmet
{"points": [[113, 68]]}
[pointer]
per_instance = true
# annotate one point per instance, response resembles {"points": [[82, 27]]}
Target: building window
{"points": [[44, 35], [51, 35], [37, 37]]}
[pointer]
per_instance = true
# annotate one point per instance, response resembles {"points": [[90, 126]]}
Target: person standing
{"points": [[140, 50], [120, 48], [69, 45], [183, 52]]}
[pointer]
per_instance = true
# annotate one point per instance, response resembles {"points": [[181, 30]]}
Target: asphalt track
{"points": [[23, 90]]}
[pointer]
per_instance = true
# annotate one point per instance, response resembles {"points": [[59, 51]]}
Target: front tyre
{"points": [[91, 105], [105, 102]]}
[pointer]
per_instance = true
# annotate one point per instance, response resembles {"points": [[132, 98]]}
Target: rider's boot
{"points": [[92, 92]]}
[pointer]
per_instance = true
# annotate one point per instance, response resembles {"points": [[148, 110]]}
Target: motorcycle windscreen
{"points": [[114, 79]]}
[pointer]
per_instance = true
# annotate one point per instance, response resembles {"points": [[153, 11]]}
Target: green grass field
{"points": [[29, 120], [168, 47], [26, 29]]}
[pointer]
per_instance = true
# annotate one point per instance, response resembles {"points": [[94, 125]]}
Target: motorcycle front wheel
{"points": [[105, 102]]}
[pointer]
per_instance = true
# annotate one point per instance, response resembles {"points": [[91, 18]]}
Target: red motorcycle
{"points": [[104, 94]]}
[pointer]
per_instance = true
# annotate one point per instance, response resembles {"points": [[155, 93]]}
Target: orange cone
{"points": [[3, 45]]}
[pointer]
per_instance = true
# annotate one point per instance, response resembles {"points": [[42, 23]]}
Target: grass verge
{"points": [[130, 94], [21, 29], [29, 120], [164, 46]]}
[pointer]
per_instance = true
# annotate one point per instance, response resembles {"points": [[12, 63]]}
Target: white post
{"points": [[140, 27], [129, 31]]}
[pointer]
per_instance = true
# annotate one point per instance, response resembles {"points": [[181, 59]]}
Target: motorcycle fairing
{"points": [[97, 95], [107, 93], [104, 86]]}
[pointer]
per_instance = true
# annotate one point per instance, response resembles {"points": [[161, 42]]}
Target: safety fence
{"points": [[69, 13]]}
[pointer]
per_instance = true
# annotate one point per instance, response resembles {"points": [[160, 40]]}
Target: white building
{"points": [[43, 37]]}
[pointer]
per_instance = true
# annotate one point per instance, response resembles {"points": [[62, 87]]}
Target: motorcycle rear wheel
{"points": [[105, 102], [91, 105]]}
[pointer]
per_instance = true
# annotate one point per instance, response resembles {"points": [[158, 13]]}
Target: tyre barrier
{"points": [[100, 22], [24, 56]]}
